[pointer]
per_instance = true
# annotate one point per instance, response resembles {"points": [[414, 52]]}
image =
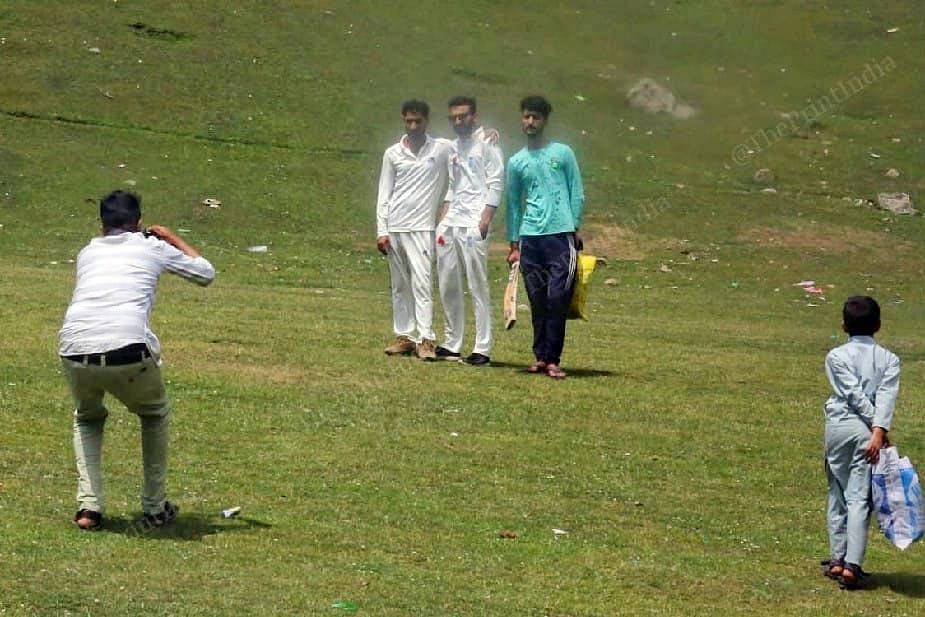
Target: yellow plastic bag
{"points": [[578, 309]]}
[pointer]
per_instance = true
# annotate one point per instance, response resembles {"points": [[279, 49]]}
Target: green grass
{"points": [[683, 457]]}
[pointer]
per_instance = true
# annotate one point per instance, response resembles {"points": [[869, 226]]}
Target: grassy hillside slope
{"points": [[682, 457]]}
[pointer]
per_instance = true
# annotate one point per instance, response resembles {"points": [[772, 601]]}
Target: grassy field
{"points": [[683, 456]]}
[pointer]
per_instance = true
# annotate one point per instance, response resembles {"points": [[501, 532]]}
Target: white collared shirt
{"points": [[412, 186], [114, 294], [476, 179], [865, 382]]}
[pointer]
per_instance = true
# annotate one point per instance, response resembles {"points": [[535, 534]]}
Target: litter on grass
{"points": [[810, 287], [350, 607]]}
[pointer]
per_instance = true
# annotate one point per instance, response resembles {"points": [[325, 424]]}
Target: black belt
{"points": [[130, 354]]}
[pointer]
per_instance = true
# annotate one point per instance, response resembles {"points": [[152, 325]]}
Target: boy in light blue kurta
{"points": [[544, 207], [865, 381]]}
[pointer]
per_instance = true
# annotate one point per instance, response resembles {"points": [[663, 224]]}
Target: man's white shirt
{"points": [[114, 294], [412, 186], [476, 179]]}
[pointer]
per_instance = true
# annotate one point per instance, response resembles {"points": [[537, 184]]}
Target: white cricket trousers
{"points": [[411, 270], [460, 248]]}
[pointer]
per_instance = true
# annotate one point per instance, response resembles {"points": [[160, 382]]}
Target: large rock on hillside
{"points": [[897, 203], [651, 97]]}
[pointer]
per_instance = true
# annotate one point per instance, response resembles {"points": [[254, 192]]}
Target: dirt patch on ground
{"points": [[263, 373], [615, 242], [835, 240], [602, 240]]}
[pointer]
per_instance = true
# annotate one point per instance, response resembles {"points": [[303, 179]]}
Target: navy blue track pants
{"points": [[548, 265]]}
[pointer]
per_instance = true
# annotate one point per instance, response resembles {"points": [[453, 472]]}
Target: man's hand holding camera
{"points": [[170, 237]]}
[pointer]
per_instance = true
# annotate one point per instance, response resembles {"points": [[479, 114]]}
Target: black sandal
{"points": [[152, 521], [88, 520], [832, 568], [853, 580]]}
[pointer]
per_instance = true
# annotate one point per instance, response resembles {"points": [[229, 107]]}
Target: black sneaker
{"points": [[477, 359], [151, 521], [445, 354]]}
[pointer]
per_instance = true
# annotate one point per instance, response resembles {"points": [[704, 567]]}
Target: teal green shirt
{"points": [[544, 192]]}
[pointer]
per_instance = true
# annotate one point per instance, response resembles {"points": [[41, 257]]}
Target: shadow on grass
{"points": [[572, 372], [192, 526], [912, 585]]}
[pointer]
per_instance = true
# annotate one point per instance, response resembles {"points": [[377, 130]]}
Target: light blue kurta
{"points": [[865, 382], [545, 195]]}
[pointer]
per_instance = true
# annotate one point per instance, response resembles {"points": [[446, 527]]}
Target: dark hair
{"points": [[861, 315], [536, 103], [120, 209], [458, 101], [415, 106]]}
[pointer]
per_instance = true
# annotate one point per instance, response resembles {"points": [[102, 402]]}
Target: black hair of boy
{"points": [[537, 104], [861, 316]]}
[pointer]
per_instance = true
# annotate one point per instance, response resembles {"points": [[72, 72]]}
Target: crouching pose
{"points": [[106, 345]]}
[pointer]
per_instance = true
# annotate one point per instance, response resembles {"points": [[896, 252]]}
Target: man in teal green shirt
{"points": [[545, 200]]}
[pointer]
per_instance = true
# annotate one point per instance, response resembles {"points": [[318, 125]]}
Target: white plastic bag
{"points": [[897, 499]]}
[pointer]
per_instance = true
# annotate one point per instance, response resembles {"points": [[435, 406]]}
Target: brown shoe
{"points": [[402, 346], [426, 350]]}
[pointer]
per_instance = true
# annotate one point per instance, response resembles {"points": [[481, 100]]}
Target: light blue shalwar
{"points": [[865, 381]]}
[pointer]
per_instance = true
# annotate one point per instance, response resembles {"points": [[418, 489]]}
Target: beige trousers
{"points": [[140, 388]]}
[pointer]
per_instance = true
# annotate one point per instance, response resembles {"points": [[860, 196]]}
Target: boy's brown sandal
{"points": [[88, 520]]}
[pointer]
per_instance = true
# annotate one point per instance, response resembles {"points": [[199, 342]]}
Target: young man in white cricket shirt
{"points": [[412, 185], [106, 345], [476, 181]]}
